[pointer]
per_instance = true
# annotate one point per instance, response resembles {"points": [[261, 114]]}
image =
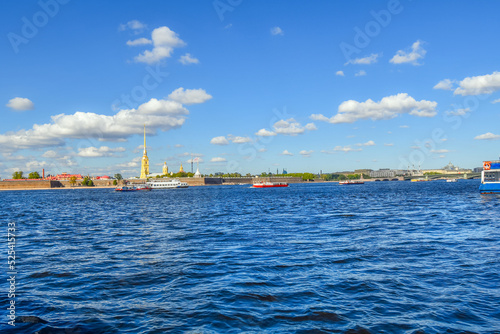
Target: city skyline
{"points": [[247, 87]]}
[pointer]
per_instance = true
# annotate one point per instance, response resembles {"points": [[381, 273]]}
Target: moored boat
{"points": [[166, 184], [125, 188], [351, 182], [451, 180], [270, 184], [490, 178]]}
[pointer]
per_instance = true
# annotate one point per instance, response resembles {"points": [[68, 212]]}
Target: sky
{"points": [[247, 86]]}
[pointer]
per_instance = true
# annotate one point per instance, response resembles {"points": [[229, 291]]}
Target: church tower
{"points": [[181, 170], [145, 159], [165, 168]]}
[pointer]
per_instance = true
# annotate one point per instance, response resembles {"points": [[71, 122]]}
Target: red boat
{"points": [[270, 184], [139, 187]]}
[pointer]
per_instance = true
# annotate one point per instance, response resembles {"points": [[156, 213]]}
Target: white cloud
{"points": [[139, 41], [265, 133], [339, 73], [50, 154], [164, 42], [188, 59], [459, 112], [277, 31], [221, 140], [417, 52], [487, 136], [136, 162], [239, 140], [445, 84], [483, 84], [218, 159], [20, 104], [368, 143], [440, 151], [306, 153], [157, 114], [178, 145], [285, 152], [310, 127], [404, 126], [389, 107], [389, 144], [346, 149], [189, 96], [96, 152], [360, 73], [364, 61], [291, 127], [132, 25], [495, 101]]}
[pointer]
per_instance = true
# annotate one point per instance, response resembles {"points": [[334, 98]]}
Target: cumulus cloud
{"points": [[96, 152], [291, 127], [265, 133], [310, 127], [139, 41], [445, 84], [189, 96], [483, 84], [20, 104], [495, 101], [156, 114], [459, 112], [487, 136], [306, 153], [221, 140], [364, 61], [387, 108], [218, 159], [417, 52], [340, 73], [346, 149], [134, 25], [285, 152], [360, 73], [440, 151], [368, 143], [164, 42], [389, 144], [239, 140], [188, 59], [277, 31]]}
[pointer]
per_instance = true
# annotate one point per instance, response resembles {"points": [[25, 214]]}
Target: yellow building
{"points": [[145, 159], [165, 168], [181, 170]]}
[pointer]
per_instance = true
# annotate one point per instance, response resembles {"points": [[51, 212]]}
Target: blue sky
{"points": [[247, 86]]}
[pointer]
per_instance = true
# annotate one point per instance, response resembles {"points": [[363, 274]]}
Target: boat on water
{"points": [[139, 187], [351, 182], [490, 178], [420, 180], [451, 180], [166, 184], [270, 184]]}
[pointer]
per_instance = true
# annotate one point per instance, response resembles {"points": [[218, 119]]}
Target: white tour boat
{"points": [[166, 184]]}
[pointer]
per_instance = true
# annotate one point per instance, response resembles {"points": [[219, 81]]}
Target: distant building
{"points": [[181, 170], [478, 169], [165, 168], [65, 176], [386, 173]]}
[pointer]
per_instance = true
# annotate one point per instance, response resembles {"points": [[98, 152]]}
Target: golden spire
{"points": [[145, 152]]}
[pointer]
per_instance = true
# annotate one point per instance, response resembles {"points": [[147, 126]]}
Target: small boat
{"points": [[351, 182], [451, 180], [270, 184], [125, 188], [420, 180], [138, 187], [490, 178], [167, 184]]}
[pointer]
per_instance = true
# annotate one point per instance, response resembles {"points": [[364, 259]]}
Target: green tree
{"points": [[118, 176], [342, 177], [85, 181], [33, 175], [307, 176], [90, 183], [72, 180], [17, 175], [115, 182]]}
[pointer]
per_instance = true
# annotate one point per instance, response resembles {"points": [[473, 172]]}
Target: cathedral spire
{"points": [[145, 152], [145, 159]]}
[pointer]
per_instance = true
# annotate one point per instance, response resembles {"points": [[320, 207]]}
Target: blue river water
{"points": [[383, 257]]}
